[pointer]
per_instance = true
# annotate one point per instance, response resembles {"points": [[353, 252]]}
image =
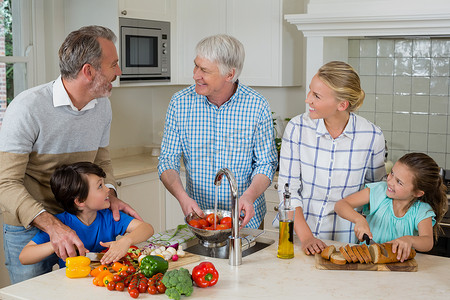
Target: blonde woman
{"points": [[327, 154]]}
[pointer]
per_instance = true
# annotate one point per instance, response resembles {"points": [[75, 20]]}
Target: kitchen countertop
{"points": [[134, 165], [263, 276]]}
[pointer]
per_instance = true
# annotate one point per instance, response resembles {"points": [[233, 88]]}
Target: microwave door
{"points": [[141, 48]]}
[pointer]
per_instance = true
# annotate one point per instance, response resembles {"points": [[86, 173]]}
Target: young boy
{"points": [[81, 191]]}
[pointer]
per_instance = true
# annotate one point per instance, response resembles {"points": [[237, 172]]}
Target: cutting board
{"points": [[406, 266]]}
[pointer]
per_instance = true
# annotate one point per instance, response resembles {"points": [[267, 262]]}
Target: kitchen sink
{"points": [[250, 246]]}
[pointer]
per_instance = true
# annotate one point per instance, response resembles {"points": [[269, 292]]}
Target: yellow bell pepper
{"points": [[77, 267]]}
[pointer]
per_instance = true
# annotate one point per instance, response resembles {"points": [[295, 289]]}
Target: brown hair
{"points": [[344, 81], [69, 182], [428, 179]]}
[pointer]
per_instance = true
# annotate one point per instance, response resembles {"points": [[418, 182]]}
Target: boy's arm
{"points": [[137, 231], [345, 208], [33, 253]]}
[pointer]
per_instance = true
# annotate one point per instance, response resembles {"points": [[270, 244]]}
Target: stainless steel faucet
{"points": [[235, 241]]}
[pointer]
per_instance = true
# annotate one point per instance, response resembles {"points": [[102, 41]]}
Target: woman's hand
{"points": [[402, 246], [312, 246]]}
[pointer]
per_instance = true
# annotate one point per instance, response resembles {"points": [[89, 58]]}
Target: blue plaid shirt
{"points": [[238, 135], [321, 170]]}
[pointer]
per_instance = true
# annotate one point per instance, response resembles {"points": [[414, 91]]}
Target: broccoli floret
{"points": [[172, 293], [178, 282]]}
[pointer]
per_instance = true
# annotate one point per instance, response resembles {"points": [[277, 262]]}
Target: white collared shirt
{"points": [[61, 98]]}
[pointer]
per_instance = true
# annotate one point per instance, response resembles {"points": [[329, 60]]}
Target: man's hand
{"points": [[246, 206], [118, 205], [189, 205], [64, 240]]}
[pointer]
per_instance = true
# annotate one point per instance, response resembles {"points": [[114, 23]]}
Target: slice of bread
{"points": [[345, 254], [351, 254], [366, 252], [363, 255], [355, 250], [326, 253], [338, 258]]}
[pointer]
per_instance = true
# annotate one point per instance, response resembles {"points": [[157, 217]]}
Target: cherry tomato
{"points": [[134, 293], [211, 220], [131, 269], [209, 228], [111, 286], [120, 286], [152, 289], [123, 273], [142, 287], [161, 288]]}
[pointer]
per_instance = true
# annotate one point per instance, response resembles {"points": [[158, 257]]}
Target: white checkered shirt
{"points": [[321, 170]]}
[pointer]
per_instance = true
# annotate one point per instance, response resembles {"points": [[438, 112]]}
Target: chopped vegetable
{"points": [[77, 267], [150, 265], [178, 282], [205, 274]]}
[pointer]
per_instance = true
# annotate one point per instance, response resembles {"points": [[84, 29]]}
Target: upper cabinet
{"points": [[161, 10], [272, 46]]}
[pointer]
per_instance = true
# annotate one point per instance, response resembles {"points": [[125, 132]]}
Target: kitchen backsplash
{"points": [[407, 81]]}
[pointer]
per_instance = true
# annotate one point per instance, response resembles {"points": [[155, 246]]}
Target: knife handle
{"points": [[366, 238]]}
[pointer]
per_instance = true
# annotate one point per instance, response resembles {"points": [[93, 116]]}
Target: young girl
{"points": [[81, 191], [404, 210], [328, 153]]}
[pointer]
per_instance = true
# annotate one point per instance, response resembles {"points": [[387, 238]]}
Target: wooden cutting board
{"points": [[406, 266], [182, 261]]}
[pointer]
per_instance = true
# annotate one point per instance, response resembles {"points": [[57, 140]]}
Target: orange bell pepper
{"points": [[118, 267], [97, 270]]}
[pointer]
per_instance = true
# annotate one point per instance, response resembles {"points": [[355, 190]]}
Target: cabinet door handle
{"points": [[275, 208], [119, 183], [124, 12], [275, 186]]}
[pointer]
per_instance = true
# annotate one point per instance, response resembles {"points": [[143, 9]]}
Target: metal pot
{"points": [[210, 238]]}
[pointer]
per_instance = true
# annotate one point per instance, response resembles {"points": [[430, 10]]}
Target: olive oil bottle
{"points": [[286, 233]]}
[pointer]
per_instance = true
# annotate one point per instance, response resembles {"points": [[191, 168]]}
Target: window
{"points": [[17, 50]]}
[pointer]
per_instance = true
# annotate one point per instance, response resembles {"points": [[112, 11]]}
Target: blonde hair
{"points": [[344, 81]]}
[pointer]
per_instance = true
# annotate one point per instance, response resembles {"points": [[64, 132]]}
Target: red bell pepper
{"points": [[205, 274]]}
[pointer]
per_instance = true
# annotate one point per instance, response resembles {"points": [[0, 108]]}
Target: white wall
{"points": [[139, 112]]}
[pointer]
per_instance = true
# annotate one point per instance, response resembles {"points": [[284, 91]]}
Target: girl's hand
{"points": [[402, 246], [312, 246], [116, 251], [362, 227]]}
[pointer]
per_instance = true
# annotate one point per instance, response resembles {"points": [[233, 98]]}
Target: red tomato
{"points": [[120, 286], [152, 289], [203, 223], [111, 286], [161, 288], [225, 220], [134, 293], [211, 220], [194, 223], [221, 227], [209, 228]]}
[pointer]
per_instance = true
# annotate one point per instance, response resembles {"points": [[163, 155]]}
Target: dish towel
{"points": [[179, 235]]}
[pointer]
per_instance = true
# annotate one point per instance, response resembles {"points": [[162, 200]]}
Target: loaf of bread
{"points": [[338, 258], [326, 253], [377, 256]]}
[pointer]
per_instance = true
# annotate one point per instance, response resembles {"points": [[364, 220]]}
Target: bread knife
{"points": [[369, 241]]}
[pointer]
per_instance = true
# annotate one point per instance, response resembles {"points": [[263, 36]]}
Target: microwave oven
{"points": [[144, 50]]}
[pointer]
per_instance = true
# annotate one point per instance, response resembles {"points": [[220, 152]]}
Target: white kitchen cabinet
{"points": [[174, 213], [145, 193], [161, 10], [272, 47], [272, 202]]}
